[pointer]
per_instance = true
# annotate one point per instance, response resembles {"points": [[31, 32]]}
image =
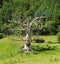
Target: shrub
{"points": [[1, 35], [59, 37], [44, 31], [37, 40], [52, 27]]}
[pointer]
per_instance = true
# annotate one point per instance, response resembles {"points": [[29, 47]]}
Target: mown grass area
{"points": [[10, 51]]}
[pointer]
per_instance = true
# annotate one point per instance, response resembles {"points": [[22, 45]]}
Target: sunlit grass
{"points": [[9, 52]]}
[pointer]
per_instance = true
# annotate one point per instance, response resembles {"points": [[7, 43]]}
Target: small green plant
{"points": [[59, 37]]}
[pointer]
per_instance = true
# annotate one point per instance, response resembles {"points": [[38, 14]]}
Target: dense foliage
{"points": [[21, 9]]}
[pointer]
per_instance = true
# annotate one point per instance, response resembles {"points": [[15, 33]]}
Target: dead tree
{"points": [[28, 26], [27, 47]]}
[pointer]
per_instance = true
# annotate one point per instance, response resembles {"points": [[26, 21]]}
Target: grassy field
{"points": [[46, 53]]}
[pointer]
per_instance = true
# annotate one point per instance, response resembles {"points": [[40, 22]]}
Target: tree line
{"points": [[19, 10]]}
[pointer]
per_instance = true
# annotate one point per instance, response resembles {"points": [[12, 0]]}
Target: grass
{"points": [[43, 54], [47, 38]]}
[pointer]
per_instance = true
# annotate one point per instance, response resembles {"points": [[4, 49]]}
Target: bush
{"points": [[52, 27], [59, 37], [44, 31], [37, 40], [1, 35]]}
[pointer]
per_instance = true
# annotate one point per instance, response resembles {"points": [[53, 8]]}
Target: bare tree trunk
{"points": [[27, 47]]}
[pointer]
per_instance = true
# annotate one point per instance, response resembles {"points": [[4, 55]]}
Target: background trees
{"points": [[21, 9]]}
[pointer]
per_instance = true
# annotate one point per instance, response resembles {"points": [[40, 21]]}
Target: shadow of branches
{"points": [[37, 49]]}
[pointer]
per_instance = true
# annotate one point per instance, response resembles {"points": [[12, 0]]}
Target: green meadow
{"points": [[43, 53], [35, 21]]}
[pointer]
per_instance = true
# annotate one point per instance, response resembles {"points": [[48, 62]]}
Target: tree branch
{"points": [[37, 18], [18, 29]]}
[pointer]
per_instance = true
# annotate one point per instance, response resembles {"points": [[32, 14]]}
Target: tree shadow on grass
{"points": [[37, 49]]}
